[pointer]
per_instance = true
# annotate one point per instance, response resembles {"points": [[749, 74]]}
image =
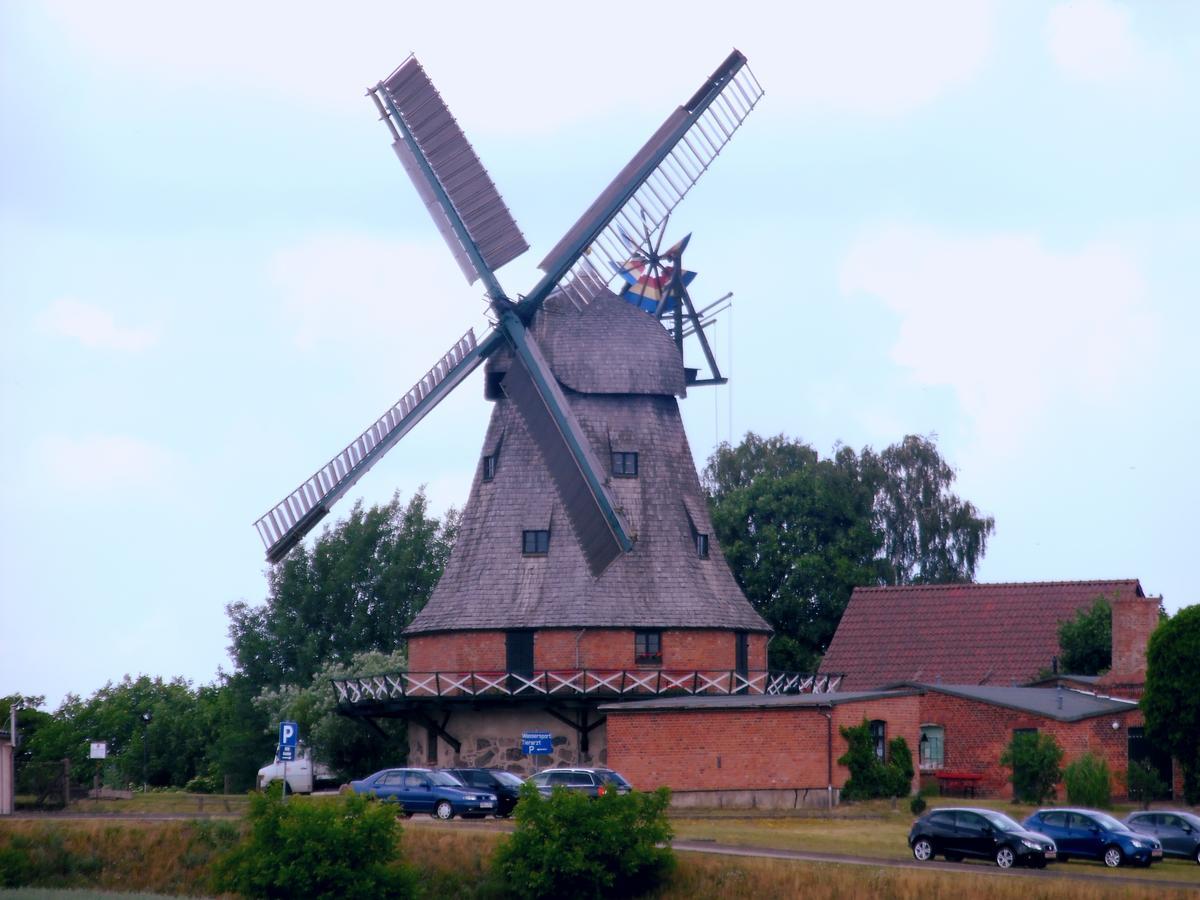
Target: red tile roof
{"points": [[958, 633]]}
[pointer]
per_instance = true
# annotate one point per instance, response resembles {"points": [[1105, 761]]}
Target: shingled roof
{"points": [[620, 371], [996, 634]]}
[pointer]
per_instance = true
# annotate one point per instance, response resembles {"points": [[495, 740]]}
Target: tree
{"points": [[346, 746], [1085, 642], [801, 532], [1088, 781], [930, 536], [356, 590], [798, 535], [1036, 763], [1171, 702], [871, 777]]}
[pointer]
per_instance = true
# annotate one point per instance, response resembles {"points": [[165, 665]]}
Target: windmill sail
{"points": [[440, 161], [286, 524], [641, 197], [564, 448]]}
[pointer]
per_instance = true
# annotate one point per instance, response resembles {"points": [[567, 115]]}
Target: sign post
{"points": [[289, 734]]}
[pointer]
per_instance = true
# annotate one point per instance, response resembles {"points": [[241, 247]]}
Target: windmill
{"points": [[483, 236]]}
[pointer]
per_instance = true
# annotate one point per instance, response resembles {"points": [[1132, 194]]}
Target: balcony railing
{"points": [[578, 683]]}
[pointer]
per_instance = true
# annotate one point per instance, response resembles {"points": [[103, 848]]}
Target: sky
{"points": [[971, 219]]}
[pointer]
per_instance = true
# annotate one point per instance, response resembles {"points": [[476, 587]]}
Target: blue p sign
{"points": [[289, 732]]}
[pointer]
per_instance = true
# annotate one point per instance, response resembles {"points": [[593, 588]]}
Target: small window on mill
{"points": [[647, 648], [701, 545], [535, 543], [624, 464], [489, 467]]}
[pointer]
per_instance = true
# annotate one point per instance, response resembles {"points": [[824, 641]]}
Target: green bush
{"points": [[1036, 763], [869, 777], [347, 846], [917, 804], [203, 784], [1144, 783], [1089, 782], [15, 867], [569, 845]]}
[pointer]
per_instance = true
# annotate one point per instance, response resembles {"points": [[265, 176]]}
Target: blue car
{"points": [[427, 790], [1090, 834]]}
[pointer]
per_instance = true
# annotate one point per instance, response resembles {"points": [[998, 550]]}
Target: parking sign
{"points": [[289, 733]]}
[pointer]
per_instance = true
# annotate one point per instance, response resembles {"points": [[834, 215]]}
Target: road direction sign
{"points": [[536, 743]]}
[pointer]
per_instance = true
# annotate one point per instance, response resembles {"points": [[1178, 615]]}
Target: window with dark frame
{"points": [[647, 647], [489, 467], [879, 738], [535, 543], [702, 545], [624, 464]]}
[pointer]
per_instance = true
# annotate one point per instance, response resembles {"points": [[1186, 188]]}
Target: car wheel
{"points": [[1113, 857], [444, 810], [1005, 857], [923, 850]]}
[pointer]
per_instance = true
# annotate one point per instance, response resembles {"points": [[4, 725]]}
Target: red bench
{"points": [[963, 782]]}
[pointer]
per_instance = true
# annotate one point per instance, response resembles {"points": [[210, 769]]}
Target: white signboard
{"points": [[99, 750]]}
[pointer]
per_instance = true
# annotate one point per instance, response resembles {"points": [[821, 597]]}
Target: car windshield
{"points": [[1000, 820], [1109, 822], [612, 777], [445, 779], [508, 778]]}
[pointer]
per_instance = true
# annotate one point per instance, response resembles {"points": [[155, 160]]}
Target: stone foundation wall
{"points": [[797, 798], [492, 739]]}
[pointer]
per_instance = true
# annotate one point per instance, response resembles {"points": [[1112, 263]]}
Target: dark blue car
{"points": [[1090, 834], [427, 790]]}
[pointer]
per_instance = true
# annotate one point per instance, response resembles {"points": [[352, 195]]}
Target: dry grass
{"points": [[709, 878], [166, 803]]}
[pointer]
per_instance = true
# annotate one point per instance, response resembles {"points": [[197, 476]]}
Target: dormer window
{"points": [[701, 545], [624, 464], [535, 543], [489, 467]]}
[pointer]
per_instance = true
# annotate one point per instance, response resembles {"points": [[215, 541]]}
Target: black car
{"points": [[1178, 831], [593, 782], [1091, 834], [981, 834], [505, 785]]}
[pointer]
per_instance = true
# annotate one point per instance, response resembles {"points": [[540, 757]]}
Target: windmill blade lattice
{"points": [[643, 195]]}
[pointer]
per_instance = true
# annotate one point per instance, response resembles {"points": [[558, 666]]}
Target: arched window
{"points": [[933, 746], [879, 739]]}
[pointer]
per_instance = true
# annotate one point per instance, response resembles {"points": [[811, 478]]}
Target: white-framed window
{"points": [[932, 746]]}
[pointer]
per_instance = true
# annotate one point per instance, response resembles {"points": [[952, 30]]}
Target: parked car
{"points": [[427, 790], [593, 782], [303, 775], [979, 833], [1090, 834], [505, 785], [1177, 830]]}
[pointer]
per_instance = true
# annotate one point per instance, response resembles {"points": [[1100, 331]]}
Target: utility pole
{"points": [[146, 719]]}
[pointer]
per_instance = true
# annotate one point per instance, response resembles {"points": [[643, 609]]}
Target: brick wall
{"points": [[556, 648], [1133, 621], [745, 749], [977, 733]]}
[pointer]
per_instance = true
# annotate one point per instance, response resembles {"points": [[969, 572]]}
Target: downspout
{"points": [[829, 755], [578, 638]]}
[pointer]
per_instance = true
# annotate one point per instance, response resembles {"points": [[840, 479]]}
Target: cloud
{"points": [[94, 327], [101, 463], [1012, 327], [537, 67], [1092, 40]]}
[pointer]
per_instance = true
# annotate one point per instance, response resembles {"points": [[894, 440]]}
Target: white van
{"points": [[302, 774]]}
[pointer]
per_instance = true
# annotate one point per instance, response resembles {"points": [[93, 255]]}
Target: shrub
{"points": [[869, 777], [917, 804], [1089, 782], [344, 847], [569, 845], [1144, 783], [203, 784], [1036, 763]]}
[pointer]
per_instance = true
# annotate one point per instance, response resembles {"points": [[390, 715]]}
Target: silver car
{"points": [[593, 782], [1177, 830]]}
